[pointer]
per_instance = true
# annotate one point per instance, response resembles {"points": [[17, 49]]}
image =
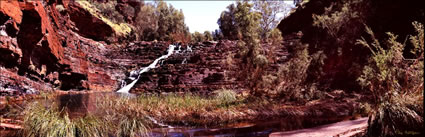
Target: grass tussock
{"points": [[225, 96], [399, 119], [185, 109], [49, 122], [40, 120]]}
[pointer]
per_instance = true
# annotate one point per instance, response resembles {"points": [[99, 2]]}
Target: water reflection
{"points": [[78, 105]]}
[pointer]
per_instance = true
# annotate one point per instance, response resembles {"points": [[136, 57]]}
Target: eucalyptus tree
{"points": [[272, 11]]}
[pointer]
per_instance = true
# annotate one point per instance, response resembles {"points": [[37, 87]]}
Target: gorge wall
{"points": [[203, 67], [41, 47], [344, 60], [58, 45]]}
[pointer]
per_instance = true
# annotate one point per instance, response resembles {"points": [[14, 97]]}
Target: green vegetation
{"points": [[222, 107], [268, 18], [252, 61], [225, 96], [142, 21], [208, 36], [269, 11], [121, 29], [49, 121], [197, 37], [293, 74], [396, 83], [227, 23]]}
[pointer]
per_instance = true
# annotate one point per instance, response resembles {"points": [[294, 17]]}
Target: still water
{"points": [[78, 105]]}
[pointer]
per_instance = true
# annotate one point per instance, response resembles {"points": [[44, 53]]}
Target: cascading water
{"points": [[135, 75]]}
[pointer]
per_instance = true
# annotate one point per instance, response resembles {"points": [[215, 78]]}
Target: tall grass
{"points": [[49, 122], [225, 96], [40, 120]]}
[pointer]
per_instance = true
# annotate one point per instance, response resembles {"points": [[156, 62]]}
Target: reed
{"points": [[40, 120]]}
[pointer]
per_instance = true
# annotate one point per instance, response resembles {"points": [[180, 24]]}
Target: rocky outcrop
{"points": [[62, 52], [196, 68], [40, 43], [344, 59], [88, 25]]}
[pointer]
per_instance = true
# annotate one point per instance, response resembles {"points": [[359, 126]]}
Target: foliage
{"points": [[292, 74], [107, 9], [208, 36], [252, 61], [335, 60], [146, 23], [227, 23], [269, 11], [47, 122], [225, 96], [157, 21], [275, 39], [198, 37], [217, 34], [391, 78], [334, 21], [112, 118], [121, 29], [388, 67]]}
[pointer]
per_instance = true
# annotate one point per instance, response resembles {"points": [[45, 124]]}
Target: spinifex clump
{"points": [[40, 120]]}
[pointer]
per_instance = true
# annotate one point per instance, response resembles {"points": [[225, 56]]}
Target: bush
{"points": [[293, 74], [394, 81], [225, 96], [275, 39], [107, 9], [198, 37]]}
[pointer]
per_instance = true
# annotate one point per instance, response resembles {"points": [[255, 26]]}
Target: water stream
{"points": [[135, 75]]}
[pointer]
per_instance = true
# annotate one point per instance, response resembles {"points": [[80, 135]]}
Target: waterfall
{"points": [[135, 75], [184, 61]]}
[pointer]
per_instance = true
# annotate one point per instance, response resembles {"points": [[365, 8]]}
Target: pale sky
{"points": [[203, 15]]}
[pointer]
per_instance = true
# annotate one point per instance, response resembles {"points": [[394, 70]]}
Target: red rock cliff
{"points": [[40, 44]]}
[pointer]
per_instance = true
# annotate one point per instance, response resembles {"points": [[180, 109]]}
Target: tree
{"points": [[146, 23], [253, 62], [270, 17], [208, 36], [227, 23], [197, 37], [217, 35], [164, 20]]}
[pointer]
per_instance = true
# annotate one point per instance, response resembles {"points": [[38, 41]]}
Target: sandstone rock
{"points": [[89, 25], [42, 39]]}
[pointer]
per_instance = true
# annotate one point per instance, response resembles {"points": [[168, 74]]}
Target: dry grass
{"points": [[48, 122], [40, 120]]}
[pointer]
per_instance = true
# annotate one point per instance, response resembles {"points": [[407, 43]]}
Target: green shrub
{"points": [[332, 21], [225, 96], [396, 83], [198, 37], [293, 74]]}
